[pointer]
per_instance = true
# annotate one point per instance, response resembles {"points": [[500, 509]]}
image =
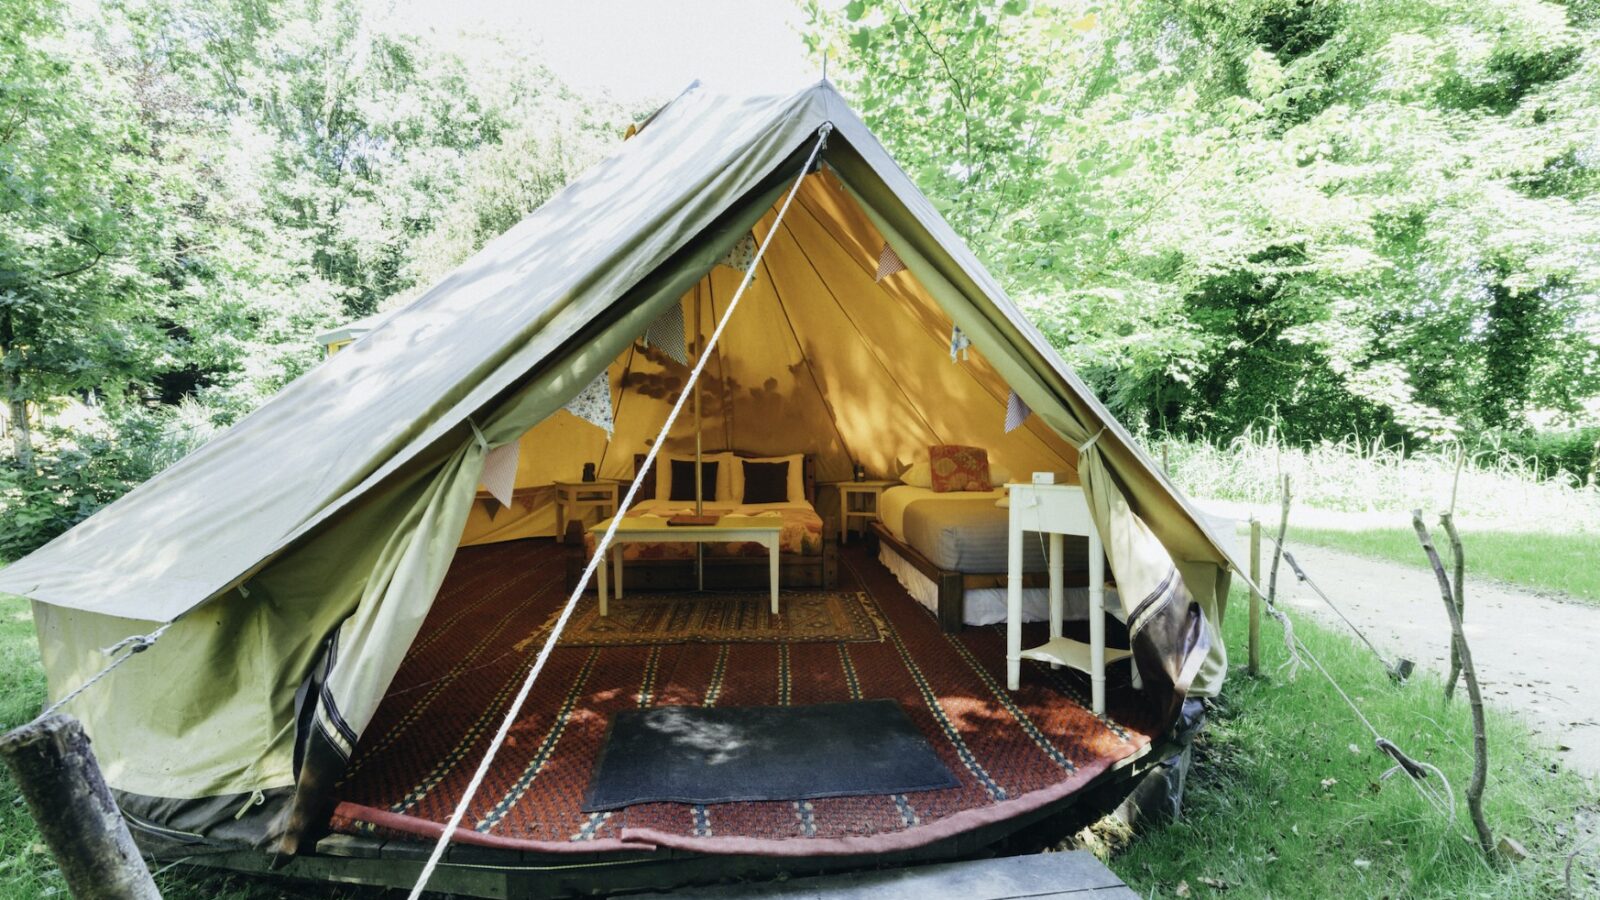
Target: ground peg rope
{"points": [[604, 544]]}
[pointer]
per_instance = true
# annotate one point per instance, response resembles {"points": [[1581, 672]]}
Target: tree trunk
{"points": [[77, 816], [21, 431], [11, 388]]}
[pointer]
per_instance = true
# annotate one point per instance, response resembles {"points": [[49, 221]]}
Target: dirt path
{"points": [[1535, 654]]}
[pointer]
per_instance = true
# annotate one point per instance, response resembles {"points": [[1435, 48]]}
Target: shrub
{"points": [[75, 473]]}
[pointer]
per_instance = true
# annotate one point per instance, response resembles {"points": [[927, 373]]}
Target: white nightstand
{"points": [[848, 489], [1057, 509]]}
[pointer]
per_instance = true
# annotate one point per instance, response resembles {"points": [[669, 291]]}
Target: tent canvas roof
{"points": [[397, 400]]}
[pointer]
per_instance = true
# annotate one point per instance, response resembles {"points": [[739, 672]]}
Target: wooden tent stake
{"points": [[80, 822], [1480, 737]]}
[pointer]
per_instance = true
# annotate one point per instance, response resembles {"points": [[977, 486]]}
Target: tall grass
{"points": [[1495, 488]]}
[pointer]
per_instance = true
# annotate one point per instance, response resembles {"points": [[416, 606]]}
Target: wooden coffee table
{"points": [[764, 530]]}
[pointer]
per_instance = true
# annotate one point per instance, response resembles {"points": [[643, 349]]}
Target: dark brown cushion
{"points": [[683, 480], [766, 482]]}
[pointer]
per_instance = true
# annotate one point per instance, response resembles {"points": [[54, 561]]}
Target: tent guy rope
{"points": [[1443, 801], [604, 544], [128, 647]]}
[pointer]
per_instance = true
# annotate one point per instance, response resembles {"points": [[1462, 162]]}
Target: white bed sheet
{"points": [[892, 504], [987, 606]]}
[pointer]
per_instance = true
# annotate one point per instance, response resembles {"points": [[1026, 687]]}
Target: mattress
{"points": [[800, 534], [964, 531]]}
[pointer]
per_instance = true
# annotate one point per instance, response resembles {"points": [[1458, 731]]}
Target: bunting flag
{"points": [[741, 255], [666, 334], [889, 262], [500, 474], [959, 343], [1016, 412], [593, 403]]}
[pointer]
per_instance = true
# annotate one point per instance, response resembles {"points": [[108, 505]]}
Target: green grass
{"points": [[1258, 817], [1286, 799], [1557, 562]]}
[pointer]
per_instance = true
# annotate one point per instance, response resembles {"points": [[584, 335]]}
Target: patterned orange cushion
{"points": [[958, 468]]}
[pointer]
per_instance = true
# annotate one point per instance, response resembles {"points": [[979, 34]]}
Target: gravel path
{"points": [[1536, 653]]}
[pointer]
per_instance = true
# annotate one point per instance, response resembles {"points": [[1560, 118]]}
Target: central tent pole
{"points": [[699, 487]]}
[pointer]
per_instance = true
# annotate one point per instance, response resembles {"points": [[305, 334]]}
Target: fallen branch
{"points": [[1480, 738]]}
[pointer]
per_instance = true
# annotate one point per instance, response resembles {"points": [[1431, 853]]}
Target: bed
{"points": [[949, 551], [806, 556]]}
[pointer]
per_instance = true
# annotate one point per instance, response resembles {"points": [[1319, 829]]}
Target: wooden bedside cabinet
{"points": [[859, 509]]}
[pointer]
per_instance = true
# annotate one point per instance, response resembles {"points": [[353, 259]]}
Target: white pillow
{"points": [[919, 475], [998, 475], [797, 476]]}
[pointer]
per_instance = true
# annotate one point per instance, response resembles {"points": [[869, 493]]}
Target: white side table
{"points": [[574, 498], [1057, 509], [847, 511]]}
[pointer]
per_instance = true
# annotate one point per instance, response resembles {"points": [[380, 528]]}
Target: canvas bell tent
{"points": [[294, 562]]}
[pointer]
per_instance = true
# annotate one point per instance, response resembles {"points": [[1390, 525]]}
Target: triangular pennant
{"points": [[499, 476], [1016, 412], [593, 403], [742, 255], [666, 334], [959, 343], [889, 262]]}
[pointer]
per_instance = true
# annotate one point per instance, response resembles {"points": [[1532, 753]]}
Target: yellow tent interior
{"points": [[821, 357]]}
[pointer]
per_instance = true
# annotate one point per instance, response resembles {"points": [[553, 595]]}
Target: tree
{"points": [[74, 221], [1372, 217]]}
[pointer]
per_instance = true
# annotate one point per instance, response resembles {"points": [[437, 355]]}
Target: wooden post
{"points": [[1277, 547], [1449, 522], [79, 820], [1480, 736], [1255, 596]]}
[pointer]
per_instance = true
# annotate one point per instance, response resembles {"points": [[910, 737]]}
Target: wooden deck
{"points": [[492, 873], [1076, 875]]}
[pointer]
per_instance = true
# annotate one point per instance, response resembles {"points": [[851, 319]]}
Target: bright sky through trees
{"points": [[639, 51]]}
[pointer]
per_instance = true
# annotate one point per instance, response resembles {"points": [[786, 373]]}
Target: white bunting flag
{"points": [[1016, 412], [500, 472], [593, 404], [959, 343], [666, 334], [889, 262]]}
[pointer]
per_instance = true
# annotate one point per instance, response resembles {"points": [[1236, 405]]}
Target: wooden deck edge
{"points": [[494, 873]]}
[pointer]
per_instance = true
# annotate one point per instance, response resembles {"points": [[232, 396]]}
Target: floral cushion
{"points": [[958, 468]]}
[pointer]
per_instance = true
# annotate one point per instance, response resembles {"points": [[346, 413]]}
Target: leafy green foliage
{"points": [[190, 190], [1373, 218]]}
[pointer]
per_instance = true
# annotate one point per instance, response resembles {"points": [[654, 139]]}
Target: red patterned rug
{"points": [[1013, 752]]}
